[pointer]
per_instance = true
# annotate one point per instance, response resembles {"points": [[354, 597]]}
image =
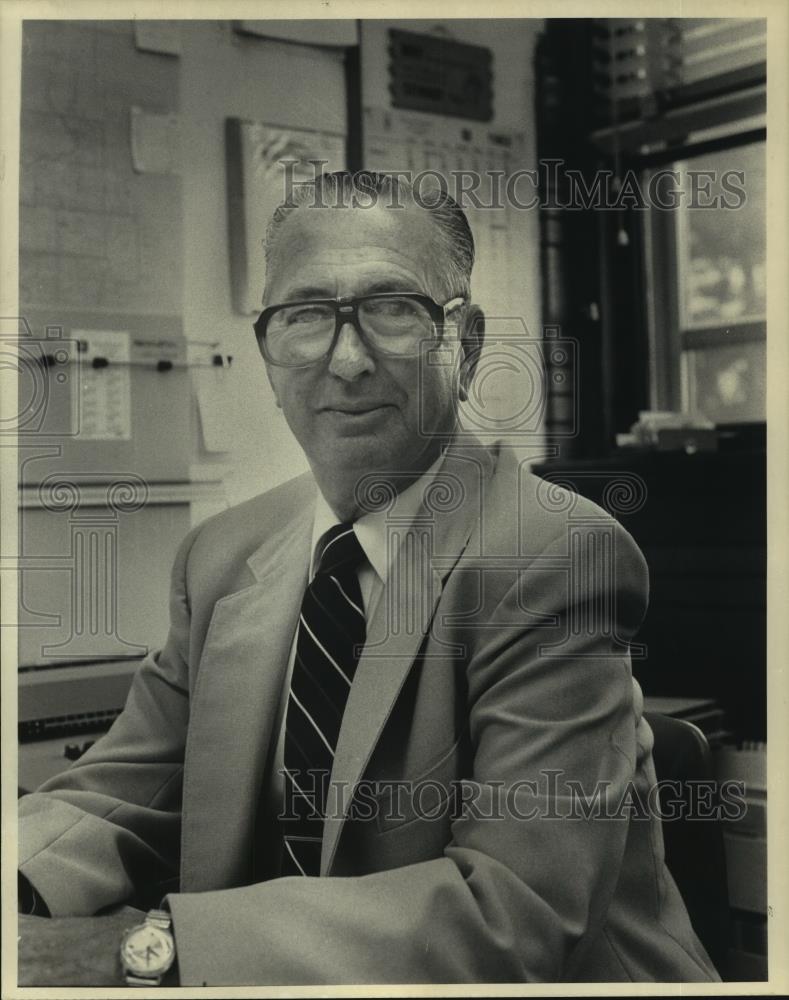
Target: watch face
{"points": [[147, 950]]}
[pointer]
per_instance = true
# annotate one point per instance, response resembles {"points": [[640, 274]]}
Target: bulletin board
{"points": [[263, 161]]}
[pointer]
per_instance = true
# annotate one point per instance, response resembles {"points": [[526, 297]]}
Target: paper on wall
{"points": [[210, 384], [101, 409]]}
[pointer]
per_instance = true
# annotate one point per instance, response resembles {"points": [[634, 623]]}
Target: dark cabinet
{"points": [[700, 521]]}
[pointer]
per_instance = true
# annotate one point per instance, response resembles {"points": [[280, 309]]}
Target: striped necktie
{"points": [[331, 632]]}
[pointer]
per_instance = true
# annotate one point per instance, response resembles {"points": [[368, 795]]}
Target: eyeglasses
{"points": [[300, 334]]}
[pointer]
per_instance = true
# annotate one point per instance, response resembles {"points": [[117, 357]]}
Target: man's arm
{"points": [[91, 837], [75, 951], [511, 898]]}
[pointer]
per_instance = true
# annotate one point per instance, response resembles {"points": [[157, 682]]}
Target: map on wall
{"points": [[264, 162]]}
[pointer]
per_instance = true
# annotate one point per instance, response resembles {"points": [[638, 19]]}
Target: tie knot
{"points": [[339, 548]]}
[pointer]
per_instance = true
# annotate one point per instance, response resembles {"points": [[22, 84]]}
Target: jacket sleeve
{"points": [[553, 721], [107, 830]]}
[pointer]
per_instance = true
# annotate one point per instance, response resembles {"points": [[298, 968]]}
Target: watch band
{"points": [[163, 920], [132, 980], [159, 918]]}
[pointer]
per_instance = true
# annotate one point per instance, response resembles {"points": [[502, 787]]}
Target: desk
{"points": [[63, 708]]}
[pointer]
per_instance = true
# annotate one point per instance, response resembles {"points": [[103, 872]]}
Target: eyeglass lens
{"points": [[301, 333]]}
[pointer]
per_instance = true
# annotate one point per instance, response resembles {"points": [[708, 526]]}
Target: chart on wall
{"points": [[264, 162], [477, 166], [474, 162]]}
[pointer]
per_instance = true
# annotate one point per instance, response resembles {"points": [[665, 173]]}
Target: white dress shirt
{"points": [[372, 534]]}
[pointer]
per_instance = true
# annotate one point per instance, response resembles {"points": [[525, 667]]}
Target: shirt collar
{"points": [[371, 528]]}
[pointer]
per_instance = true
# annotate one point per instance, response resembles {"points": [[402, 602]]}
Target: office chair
{"points": [[695, 852]]}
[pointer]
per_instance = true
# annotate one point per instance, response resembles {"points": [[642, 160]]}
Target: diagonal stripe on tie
{"points": [[323, 650], [334, 551], [338, 585], [330, 614], [313, 723], [332, 629], [302, 854]]}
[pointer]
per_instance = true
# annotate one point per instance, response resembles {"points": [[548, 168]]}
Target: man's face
{"points": [[358, 411]]}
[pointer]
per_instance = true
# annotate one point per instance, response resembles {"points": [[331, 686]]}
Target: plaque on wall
{"points": [[264, 162], [440, 75]]}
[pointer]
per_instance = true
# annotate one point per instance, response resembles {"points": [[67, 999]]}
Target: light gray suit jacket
{"points": [[495, 681]]}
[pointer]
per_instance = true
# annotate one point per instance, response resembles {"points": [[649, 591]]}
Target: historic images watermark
{"points": [[551, 185], [551, 795]]}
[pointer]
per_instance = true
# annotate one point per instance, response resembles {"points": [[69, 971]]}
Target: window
{"points": [[705, 261], [721, 250]]}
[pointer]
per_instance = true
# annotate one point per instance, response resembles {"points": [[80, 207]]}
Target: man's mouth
{"points": [[355, 409]]}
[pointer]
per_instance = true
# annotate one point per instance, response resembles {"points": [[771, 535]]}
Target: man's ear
{"points": [[472, 339]]}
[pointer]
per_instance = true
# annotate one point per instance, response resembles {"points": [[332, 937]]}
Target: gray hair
{"points": [[366, 188]]}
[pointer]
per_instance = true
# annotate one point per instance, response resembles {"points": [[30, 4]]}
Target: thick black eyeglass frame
{"points": [[346, 311]]}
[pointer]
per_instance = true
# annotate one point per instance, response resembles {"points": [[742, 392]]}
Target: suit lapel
{"points": [[234, 708], [424, 552]]}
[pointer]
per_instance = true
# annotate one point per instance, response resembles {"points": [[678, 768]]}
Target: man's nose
{"points": [[350, 358]]}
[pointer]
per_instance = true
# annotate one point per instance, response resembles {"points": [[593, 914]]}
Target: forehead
{"points": [[347, 247]]}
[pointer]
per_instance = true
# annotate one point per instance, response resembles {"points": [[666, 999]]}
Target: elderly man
{"points": [[393, 734]]}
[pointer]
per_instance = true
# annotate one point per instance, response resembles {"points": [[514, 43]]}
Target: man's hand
{"points": [[74, 951]]}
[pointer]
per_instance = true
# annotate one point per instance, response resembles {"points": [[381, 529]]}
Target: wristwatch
{"points": [[148, 950]]}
